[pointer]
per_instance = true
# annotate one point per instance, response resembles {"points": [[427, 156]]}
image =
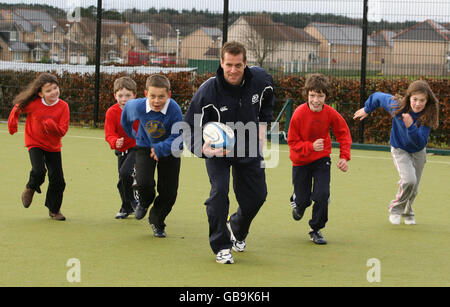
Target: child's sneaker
{"points": [[224, 256], [410, 220], [395, 219], [238, 246], [316, 237], [297, 214], [158, 232], [122, 214]]}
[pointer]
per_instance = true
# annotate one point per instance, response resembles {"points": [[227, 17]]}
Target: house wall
{"points": [[5, 54], [195, 45], [419, 52]]}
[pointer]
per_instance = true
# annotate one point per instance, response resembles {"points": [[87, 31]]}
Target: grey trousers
{"points": [[410, 167]]}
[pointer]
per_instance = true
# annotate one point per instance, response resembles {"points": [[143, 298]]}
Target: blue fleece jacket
{"points": [[412, 139], [155, 128]]}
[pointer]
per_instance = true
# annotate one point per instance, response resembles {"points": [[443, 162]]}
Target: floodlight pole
{"points": [[363, 69], [225, 21], [97, 61]]}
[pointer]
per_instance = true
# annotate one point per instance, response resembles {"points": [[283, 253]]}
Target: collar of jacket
{"points": [[234, 90]]}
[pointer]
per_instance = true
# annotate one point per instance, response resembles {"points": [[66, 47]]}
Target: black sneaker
{"points": [[140, 212], [297, 213], [122, 214], [158, 231], [316, 237]]}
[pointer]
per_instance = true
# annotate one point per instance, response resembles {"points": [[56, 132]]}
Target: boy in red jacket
{"points": [[310, 147], [125, 89]]}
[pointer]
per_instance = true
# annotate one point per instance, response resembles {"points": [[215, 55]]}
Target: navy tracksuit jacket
{"points": [[249, 104]]}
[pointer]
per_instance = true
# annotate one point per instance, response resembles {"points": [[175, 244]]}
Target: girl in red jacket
{"points": [[47, 122], [310, 147]]}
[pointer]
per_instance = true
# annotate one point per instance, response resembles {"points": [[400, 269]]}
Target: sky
{"points": [[390, 10]]}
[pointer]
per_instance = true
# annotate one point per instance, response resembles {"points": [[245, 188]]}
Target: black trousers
{"points": [[312, 183], [168, 170], [249, 185], [41, 161], [125, 164]]}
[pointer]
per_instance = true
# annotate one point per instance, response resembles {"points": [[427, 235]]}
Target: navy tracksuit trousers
{"points": [[41, 161], [125, 165], [312, 183], [249, 184]]}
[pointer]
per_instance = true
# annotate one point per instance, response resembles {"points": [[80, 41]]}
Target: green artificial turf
{"points": [[35, 250]]}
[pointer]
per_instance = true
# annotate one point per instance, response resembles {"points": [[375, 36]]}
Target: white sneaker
{"points": [[224, 257], [395, 219], [410, 220], [238, 246]]}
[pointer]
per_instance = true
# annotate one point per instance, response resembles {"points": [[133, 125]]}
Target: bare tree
{"points": [[259, 45]]}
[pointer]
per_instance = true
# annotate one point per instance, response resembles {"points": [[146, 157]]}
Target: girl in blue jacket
{"points": [[413, 118]]}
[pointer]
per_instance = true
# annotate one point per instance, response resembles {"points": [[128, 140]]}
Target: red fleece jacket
{"points": [[307, 126], [45, 125], [114, 131]]}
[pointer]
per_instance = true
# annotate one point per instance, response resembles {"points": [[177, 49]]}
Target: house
{"points": [[202, 44], [421, 49], [113, 49], [340, 45], [34, 36], [42, 34], [274, 43], [383, 45]]}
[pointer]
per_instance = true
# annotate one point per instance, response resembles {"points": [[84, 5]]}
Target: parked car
{"points": [[163, 61]]}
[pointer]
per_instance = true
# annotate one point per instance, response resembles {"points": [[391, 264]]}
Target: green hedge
{"points": [[78, 91]]}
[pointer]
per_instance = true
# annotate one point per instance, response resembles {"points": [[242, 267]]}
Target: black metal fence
{"points": [[354, 39]]}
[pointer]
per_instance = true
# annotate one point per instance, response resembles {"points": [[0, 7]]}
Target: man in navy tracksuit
{"points": [[239, 96]]}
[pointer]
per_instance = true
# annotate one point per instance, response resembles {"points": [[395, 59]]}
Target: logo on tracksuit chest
{"points": [[155, 129]]}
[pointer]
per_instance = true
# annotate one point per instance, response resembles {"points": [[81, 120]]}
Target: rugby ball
{"points": [[219, 134]]}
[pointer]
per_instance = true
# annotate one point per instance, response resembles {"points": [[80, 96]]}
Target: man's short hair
{"points": [[125, 83], [233, 48], [159, 81]]}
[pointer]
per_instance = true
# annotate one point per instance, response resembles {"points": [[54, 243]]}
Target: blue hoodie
{"points": [[412, 139], [217, 100], [155, 128]]}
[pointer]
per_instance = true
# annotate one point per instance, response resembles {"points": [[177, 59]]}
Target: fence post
{"points": [[363, 68], [97, 61], [225, 22], [288, 116]]}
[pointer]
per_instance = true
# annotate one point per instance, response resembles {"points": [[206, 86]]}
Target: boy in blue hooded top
{"points": [[413, 118], [157, 113]]}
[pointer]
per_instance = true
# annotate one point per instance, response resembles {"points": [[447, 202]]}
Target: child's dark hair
{"points": [[31, 92], [430, 114], [125, 83], [317, 83], [159, 81]]}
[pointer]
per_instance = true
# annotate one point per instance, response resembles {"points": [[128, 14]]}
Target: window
{"points": [[125, 41], [13, 36], [18, 56], [37, 36]]}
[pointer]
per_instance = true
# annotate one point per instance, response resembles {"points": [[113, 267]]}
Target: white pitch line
{"points": [[268, 150]]}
